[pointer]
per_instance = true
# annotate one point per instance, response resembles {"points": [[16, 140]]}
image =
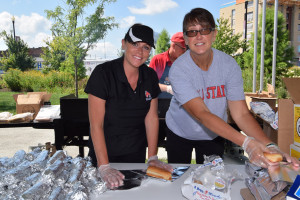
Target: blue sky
{"points": [[33, 27]]}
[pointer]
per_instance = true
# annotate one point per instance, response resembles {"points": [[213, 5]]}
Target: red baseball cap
{"points": [[178, 38]]}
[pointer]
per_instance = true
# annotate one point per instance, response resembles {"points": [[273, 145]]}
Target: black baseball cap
{"points": [[140, 33]]}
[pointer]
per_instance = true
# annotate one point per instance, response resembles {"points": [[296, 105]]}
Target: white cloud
{"points": [[6, 22], [32, 24], [154, 7], [33, 29], [127, 21]]}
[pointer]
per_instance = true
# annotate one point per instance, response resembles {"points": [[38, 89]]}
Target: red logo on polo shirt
{"points": [[148, 96]]}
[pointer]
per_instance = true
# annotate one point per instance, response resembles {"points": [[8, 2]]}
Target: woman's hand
{"points": [[112, 177], [273, 148], [153, 161], [255, 150]]}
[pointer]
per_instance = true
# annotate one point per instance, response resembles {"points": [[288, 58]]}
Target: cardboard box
{"points": [[284, 136], [269, 98], [297, 124], [292, 85], [30, 102], [295, 151]]}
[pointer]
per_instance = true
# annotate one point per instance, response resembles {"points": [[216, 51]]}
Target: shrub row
{"points": [[33, 80]]}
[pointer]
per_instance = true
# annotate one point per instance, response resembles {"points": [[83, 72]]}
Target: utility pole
{"points": [[13, 21], [245, 17]]}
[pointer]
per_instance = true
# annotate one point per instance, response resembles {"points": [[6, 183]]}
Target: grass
{"points": [[8, 104]]}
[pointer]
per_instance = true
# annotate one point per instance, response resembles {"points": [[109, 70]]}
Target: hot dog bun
{"points": [[273, 157], [159, 173]]}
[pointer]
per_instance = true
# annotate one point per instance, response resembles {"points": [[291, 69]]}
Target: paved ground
{"points": [[14, 139]]}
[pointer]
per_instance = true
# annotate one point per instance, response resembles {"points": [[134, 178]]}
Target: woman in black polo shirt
{"points": [[123, 108]]}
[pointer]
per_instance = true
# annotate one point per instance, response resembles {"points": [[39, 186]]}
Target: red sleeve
{"points": [[158, 64]]}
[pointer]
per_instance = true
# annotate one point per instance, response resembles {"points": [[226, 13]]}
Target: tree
{"points": [[163, 42], [53, 55], [74, 33], [17, 55], [226, 41], [284, 53]]}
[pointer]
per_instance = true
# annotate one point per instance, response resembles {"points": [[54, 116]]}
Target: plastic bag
{"points": [[213, 175]]}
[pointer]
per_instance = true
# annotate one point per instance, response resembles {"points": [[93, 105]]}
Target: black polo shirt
{"points": [[125, 109]]}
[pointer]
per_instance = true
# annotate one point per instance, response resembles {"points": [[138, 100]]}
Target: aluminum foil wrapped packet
{"points": [[36, 175], [263, 110], [260, 183]]}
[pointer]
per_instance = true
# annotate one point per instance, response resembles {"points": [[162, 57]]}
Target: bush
{"points": [[247, 74], [2, 82], [13, 79], [32, 80], [293, 72], [35, 81], [59, 79]]}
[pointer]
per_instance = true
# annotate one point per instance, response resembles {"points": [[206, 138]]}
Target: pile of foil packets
{"points": [[260, 183], [36, 175]]}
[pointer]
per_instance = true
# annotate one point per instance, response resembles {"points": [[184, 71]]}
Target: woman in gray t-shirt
{"points": [[206, 82]]}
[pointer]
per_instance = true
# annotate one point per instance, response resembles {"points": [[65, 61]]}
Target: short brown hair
{"points": [[198, 16]]}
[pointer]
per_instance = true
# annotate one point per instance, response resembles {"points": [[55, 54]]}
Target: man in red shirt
{"points": [[162, 62]]}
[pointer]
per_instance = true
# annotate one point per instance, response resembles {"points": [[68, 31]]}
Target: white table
{"points": [[152, 189]]}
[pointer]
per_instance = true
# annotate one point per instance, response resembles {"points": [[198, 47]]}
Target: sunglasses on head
{"points": [[203, 31]]}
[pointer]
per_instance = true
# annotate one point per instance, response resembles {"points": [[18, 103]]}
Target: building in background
{"points": [[89, 63], [36, 54], [241, 15]]}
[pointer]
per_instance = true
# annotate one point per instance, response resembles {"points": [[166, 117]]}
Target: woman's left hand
{"points": [[275, 149], [153, 161]]}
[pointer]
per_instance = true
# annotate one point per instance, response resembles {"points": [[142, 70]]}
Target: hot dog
{"points": [[273, 157], [159, 173]]}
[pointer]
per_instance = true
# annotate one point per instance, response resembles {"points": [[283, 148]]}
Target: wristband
{"points": [[271, 144]]}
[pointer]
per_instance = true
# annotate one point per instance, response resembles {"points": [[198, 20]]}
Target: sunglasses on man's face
{"points": [[204, 31]]}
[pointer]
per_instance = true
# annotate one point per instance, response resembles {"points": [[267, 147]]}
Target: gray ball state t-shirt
{"points": [[223, 81]]}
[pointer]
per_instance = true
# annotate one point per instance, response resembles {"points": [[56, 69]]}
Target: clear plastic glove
{"points": [[273, 148], [153, 161], [255, 150], [170, 90], [112, 177]]}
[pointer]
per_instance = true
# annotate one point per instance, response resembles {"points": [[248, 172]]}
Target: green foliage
{"points": [[163, 42], [284, 54], [53, 55], [293, 72], [248, 79], [36, 81], [7, 102], [2, 82], [75, 34], [17, 56], [12, 78], [32, 80], [226, 41], [58, 79], [240, 60]]}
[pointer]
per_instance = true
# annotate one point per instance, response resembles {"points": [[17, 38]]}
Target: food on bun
{"points": [[159, 173], [273, 157]]}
